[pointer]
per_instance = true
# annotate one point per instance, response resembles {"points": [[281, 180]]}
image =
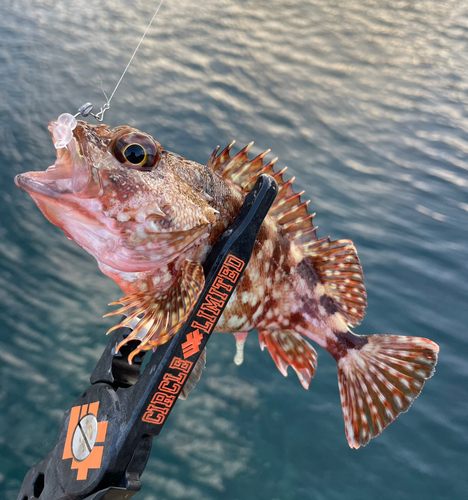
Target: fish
{"points": [[150, 218]]}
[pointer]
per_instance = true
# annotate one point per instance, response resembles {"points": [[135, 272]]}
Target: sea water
{"points": [[366, 102]]}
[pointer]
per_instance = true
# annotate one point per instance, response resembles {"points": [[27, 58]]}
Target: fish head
{"points": [[112, 192]]}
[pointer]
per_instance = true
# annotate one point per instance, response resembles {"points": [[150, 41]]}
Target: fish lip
{"points": [[31, 185]]}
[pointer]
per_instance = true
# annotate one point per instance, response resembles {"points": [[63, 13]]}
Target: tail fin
{"points": [[379, 377]]}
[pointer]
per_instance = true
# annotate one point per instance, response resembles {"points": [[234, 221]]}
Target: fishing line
{"points": [[86, 109], [62, 130]]}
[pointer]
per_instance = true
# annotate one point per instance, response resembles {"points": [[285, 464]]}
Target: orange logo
{"points": [[168, 389], [210, 310], [84, 432], [190, 347], [216, 298]]}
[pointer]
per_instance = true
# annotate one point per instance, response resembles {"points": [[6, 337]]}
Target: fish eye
{"points": [[136, 150], [135, 153]]}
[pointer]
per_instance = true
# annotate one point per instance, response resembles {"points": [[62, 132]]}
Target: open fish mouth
{"points": [[71, 174]]}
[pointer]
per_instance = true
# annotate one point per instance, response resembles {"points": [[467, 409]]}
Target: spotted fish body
{"points": [[151, 224]]}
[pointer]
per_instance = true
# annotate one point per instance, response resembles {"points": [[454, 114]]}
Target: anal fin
{"points": [[290, 349]]}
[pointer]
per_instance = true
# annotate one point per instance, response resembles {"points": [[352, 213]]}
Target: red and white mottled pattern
{"points": [[150, 231]]}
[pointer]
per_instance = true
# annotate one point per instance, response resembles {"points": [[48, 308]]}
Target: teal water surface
{"points": [[366, 102]]}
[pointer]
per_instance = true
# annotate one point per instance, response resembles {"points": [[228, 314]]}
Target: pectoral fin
{"points": [[156, 316], [241, 337]]}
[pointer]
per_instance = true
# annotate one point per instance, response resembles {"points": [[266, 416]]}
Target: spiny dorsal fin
{"points": [[337, 264], [288, 210], [156, 316]]}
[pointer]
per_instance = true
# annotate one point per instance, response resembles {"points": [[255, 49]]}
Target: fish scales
{"points": [[266, 289], [151, 217]]}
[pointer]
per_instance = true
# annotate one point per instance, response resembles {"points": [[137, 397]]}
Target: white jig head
{"points": [[63, 131]]}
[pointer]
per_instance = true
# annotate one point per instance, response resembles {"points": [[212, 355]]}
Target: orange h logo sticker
{"points": [[191, 347], [84, 432]]}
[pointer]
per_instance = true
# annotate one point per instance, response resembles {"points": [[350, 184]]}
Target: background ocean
{"points": [[366, 102]]}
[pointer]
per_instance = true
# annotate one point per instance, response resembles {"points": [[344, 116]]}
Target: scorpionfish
{"points": [[150, 218]]}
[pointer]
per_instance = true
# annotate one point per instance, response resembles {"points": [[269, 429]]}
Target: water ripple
{"points": [[366, 102]]}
